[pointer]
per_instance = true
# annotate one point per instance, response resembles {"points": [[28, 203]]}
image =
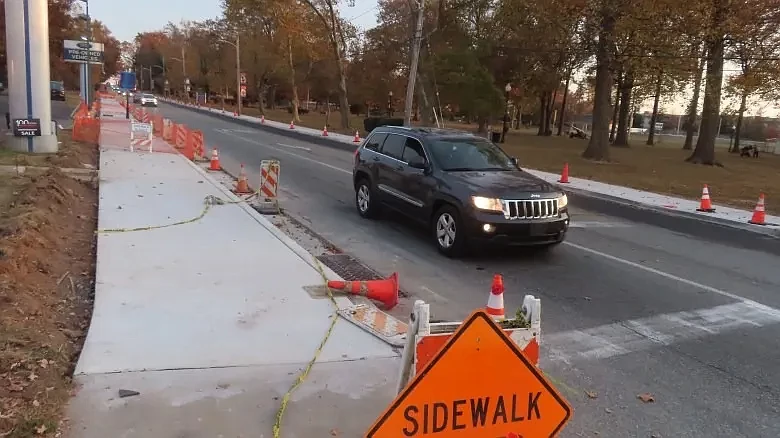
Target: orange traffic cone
{"points": [[385, 291], [325, 131], [759, 214], [214, 163], [706, 203], [565, 174], [357, 137], [262, 119], [292, 124], [495, 304], [235, 114], [242, 186]]}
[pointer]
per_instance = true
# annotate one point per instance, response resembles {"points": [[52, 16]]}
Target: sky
{"points": [[151, 15]]}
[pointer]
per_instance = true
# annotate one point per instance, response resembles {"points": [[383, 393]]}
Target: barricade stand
{"points": [[167, 130], [268, 202], [141, 136], [473, 372], [195, 141]]}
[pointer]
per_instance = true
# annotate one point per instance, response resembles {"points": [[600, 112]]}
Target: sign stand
{"points": [[479, 383]]}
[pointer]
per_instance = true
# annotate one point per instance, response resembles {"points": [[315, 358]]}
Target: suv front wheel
{"points": [[448, 234], [365, 201]]}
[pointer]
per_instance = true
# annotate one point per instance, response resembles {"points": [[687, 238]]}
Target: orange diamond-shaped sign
{"points": [[478, 385]]}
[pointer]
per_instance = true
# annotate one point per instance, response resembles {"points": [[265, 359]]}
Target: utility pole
{"points": [[415, 60], [238, 75]]}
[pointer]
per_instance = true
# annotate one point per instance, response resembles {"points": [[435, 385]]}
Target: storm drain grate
{"points": [[350, 269]]}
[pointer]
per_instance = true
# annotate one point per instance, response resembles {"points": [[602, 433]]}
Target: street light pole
{"points": [[505, 129]]}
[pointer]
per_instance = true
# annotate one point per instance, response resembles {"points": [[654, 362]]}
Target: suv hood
{"points": [[504, 184]]}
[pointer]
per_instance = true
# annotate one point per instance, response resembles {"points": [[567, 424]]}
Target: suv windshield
{"points": [[57, 85], [469, 154], [148, 96]]}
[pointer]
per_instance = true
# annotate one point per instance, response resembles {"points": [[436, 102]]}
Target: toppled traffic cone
{"points": [[325, 131], [706, 203], [385, 291], [759, 213], [292, 124], [565, 174], [357, 137], [214, 163], [495, 304], [242, 186]]}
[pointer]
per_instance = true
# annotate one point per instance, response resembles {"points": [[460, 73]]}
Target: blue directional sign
{"points": [[82, 51]]}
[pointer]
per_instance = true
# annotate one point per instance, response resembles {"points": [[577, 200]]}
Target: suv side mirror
{"points": [[417, 162], [514, 161]]}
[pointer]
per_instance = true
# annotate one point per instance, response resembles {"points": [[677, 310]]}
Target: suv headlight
{"points": [[563, 201], [487, 204]]}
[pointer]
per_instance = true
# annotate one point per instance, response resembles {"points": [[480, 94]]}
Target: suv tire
{"points": [[365, 199], [447, 231]]}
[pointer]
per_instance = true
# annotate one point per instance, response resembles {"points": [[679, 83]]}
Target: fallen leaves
{"points": [[592, 394], [646, 397]]}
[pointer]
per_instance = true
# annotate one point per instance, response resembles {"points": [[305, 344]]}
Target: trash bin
{"points": [[495, 137]]}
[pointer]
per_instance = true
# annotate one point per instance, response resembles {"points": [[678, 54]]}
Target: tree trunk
{"points": [[621, 136], [563, 103], [291, 64], [550, 113], [615, 108], [690, 128], [740, 117], [598, 145], [542, 114], [656, 101], [704, 153]]}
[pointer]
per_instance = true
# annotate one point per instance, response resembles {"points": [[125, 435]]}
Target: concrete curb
{"points": [[743, 235]]}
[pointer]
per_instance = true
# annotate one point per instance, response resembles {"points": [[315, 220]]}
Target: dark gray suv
{"points": [[461, 186]]}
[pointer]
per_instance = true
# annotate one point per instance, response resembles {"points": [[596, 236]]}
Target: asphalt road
{"points": [[628, 308]]}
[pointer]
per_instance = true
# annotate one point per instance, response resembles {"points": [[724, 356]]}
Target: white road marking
{"points": [[329, 166], [625, 337], [294, 147], [665, 274], [634, 335]]}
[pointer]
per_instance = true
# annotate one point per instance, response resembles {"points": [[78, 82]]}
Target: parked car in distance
{"points": [[57, 90], [148, 100], [465, 189]]}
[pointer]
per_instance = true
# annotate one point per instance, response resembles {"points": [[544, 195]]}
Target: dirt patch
{"points": [[47, 260], [71, 155]]}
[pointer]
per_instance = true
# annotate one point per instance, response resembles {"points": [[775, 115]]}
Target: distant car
{"points": [[463, 188], [57, 90], [148, 100]]}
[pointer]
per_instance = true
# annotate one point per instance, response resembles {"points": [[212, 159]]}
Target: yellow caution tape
{"points": [[305, 373]]}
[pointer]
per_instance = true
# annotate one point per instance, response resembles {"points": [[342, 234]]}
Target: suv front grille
{"points": [[527, 209]]}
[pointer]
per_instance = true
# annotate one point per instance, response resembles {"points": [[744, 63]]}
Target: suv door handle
{"points": [[399, 167], [375, 159]]}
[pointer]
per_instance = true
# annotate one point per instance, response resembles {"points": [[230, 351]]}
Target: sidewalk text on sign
{"points": [[141, 128], [478, 385]]}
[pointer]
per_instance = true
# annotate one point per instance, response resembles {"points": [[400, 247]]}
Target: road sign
{"points": [[243, 91], [82, 51], [479, 385]]}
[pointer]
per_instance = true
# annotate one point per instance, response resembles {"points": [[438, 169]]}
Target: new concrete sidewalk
{"points": [[209, 321], [608, 192]]}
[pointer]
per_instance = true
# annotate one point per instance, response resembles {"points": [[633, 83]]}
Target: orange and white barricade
{"points": [[195, 142], [181, 136], [141, 136], [167, 130], [268, 202], [424, 339]]}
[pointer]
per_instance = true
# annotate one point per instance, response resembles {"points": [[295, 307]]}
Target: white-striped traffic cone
{"points": [[495, 304]]}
